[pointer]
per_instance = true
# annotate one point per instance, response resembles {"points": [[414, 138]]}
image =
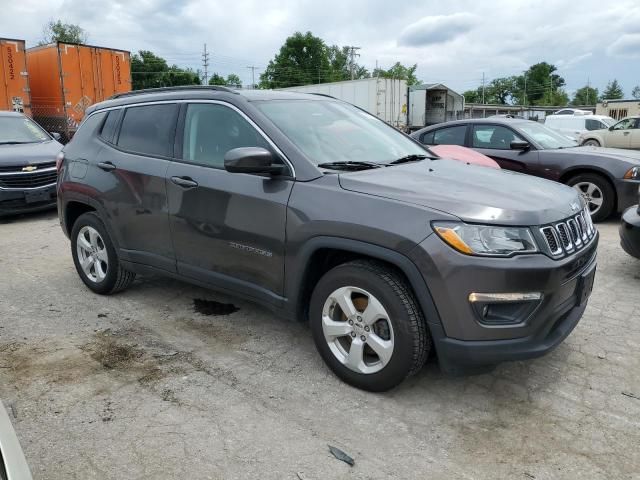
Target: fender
{"points": [[296, 275]]}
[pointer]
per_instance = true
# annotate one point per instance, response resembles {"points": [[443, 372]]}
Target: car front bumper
{"points": [[16, 201], [464, 342], [630, 231]]}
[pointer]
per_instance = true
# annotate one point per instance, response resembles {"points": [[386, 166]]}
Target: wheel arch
{"points": [[319, 254], [579, 170]]}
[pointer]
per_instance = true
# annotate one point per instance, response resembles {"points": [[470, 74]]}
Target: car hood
{"points": [[630, 156], [470, 192], [29, 153]]}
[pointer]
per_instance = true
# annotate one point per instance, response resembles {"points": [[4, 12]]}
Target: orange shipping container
{"points": [[67, 78], [14, 83]]}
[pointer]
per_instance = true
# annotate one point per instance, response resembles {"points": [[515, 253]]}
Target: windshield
{"points": [[328, 131], [21, 130], [545, 137], [608, 120]]}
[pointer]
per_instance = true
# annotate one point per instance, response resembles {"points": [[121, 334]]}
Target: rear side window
{"points": [[449, 136], [109, 126], [594, 124], [149, 130]]}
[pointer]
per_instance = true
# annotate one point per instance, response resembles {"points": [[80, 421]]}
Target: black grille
{"points": [[564, 238], [571, 234], [18, 168], [29, 180]]}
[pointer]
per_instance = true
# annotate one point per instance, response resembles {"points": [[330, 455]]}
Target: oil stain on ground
{"points": [[211, 307]]}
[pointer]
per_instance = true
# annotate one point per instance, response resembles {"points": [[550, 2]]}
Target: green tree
{"points": [[541, 83], [150, 71], [217, 79], [399, 71], [473, 96], [56, 31], [635, 93], [233, 80], [585, 96], [303, 59], [557, 97], [341, 66], [613, 91]]}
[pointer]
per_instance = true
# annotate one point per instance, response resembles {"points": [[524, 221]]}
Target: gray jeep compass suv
{"points": [[321, 212]]}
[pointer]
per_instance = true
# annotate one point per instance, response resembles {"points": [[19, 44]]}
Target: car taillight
{"points": [[59, 159]]}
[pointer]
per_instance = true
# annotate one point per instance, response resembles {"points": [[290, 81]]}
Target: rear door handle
{"points": [[184, 182], [106, 166]]}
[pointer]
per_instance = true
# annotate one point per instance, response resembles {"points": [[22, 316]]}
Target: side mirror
{"points": [[56, 136], [520, 145], [254, 160], [611, 128]]}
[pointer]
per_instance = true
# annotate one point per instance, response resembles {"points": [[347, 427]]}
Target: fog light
{"points": [[504, 308]]}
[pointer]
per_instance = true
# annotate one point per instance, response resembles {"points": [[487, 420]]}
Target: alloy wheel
{"points": [[592, 195], [358, 330], [92, 254]]}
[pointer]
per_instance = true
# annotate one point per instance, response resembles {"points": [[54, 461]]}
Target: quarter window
{"points": [[149, 130], [211, 130], [109, 125], [594, 125], [494, 137]]}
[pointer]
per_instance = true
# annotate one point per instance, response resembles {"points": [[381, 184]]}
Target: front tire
{"points": [[95, 257], [597, 192], [367, 325], [591, 143]]}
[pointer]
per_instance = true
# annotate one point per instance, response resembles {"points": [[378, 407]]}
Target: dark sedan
{"points": [[27, 165], [630, 230], [608, 179]]}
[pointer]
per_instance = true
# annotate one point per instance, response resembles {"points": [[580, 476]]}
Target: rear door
{"points": [[227, 228], [620, 134], [495, 141], [129, 174]]}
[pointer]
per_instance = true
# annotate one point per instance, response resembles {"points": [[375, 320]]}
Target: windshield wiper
{"points": [[349, 165], [408, 158], [13, 143]]}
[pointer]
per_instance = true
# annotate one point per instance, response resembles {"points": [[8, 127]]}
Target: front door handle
{"points": [[184, 182], [627, 133], [106, 166]]}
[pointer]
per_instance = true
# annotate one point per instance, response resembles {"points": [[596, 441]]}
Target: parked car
{"points": [[321, 211], [573, 126], [608, 179], [572, 111], [630, 230], [27, 165], [13, 465], [463, 154], [624, 134]]}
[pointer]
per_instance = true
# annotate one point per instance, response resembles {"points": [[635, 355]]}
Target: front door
{"points": [[227, 228], [495, 141], [620, 134]]}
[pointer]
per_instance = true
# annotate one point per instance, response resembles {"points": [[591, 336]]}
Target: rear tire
{"points": [[95, 257], [597, 192], [381, 339]]}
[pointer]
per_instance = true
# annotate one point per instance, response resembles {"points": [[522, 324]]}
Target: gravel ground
{"points": [[140, 385]]}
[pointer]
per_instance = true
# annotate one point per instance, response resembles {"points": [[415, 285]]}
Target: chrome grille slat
{"points": [[569, 235]]}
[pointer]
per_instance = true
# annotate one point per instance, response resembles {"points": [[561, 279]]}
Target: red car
{"points": [[463, 154]]}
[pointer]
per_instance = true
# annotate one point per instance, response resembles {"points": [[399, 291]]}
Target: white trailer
{"points": [[433, 103], [385, 98]]}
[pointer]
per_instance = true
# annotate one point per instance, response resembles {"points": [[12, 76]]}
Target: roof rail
{"points": [[218, 88], [323, 95]]}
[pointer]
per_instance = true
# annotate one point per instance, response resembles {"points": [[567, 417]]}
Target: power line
{"points": [[352, 62]]}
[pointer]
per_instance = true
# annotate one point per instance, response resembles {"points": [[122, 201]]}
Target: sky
{"points": [[453, 42]]}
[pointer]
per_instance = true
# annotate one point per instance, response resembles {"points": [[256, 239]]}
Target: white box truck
{"points": [[385, 98]]}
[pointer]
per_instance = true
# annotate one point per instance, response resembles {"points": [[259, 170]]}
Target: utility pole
{"points": [[588, 88], [253, 76], [483, 88], [524, 101], [352, 64], [205, 64]]}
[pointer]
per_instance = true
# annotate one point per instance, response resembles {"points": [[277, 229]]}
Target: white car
{"points": [[13, 465], [624, 134], [572, 111], [573, 126]]}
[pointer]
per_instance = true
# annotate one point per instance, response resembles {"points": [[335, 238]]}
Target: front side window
{"points": [[626, 124], [149, 129], [18, 129], [494, 137], [329, 131], [211, 130]]}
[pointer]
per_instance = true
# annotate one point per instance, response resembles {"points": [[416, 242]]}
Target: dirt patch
{"points": [[220, 335], [111, 354], [211, 307]]}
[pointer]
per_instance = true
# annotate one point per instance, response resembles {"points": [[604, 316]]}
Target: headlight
{"points": [[486, 239], [632, 174]]}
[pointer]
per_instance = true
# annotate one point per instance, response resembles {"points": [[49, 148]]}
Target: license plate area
{"points": [[37, 197], [585, 285]]}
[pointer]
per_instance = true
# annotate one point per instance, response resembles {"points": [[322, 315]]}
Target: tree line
{"points": [[306, 59]]}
